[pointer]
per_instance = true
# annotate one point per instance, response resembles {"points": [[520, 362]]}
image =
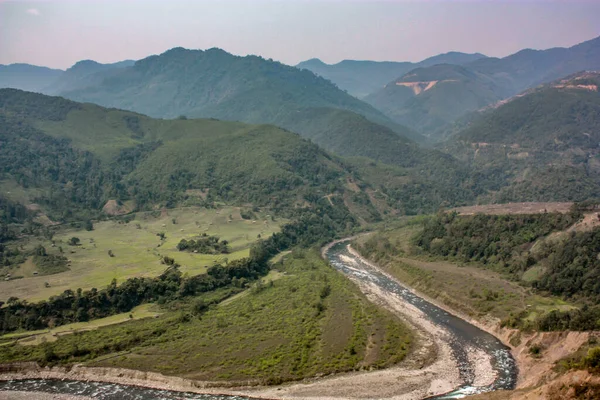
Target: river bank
{"points": [[533, 370], [14, 395]]}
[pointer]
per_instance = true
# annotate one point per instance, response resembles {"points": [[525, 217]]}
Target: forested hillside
{"points": [[216, 84], [530, 249], [444, 93], [427, 99], [542, 145], [72, 158]]}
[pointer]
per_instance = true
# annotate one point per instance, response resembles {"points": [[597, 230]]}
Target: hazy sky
{"points": [[57, 33]]}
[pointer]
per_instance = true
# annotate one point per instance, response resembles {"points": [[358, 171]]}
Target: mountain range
{"points": [[538, 144], [361, 78], [429, 99]]}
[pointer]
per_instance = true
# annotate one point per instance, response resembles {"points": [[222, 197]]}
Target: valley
{"points": [[210, 223]]}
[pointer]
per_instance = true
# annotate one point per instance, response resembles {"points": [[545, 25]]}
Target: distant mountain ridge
{"points": [[83, 74], [361, 78], [27, 77], [487, 80], [45, 80]]}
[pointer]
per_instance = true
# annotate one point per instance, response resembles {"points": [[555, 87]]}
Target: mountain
{"points": [[528, 68], [84, 73], [71, 158], [358, 78], [27, 77], [82, 155], [361, 78], [540, 145], [440, 100], [216, 84], [427, 99]]}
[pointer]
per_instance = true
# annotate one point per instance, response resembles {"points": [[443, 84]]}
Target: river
{"points": [[462, 334]]}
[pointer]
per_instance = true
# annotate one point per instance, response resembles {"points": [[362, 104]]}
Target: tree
{"points": [[74, 241], [88, 225], [199, 307], [40, 251]]}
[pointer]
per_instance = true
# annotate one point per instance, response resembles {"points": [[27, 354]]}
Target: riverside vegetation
{"points": [[531, 272], [310, 320]]}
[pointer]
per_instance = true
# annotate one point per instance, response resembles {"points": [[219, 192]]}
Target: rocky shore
{"points": [[11, 395]]}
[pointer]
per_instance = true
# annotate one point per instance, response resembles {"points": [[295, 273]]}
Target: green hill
{"points": [[71, 157], [543, 144], [216, 84]]}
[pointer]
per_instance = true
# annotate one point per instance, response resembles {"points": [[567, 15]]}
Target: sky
{"points": [[58, 33]]}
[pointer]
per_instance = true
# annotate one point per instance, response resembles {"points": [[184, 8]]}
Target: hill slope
{"points": [[361, 78], [427, 99], [483, 82], [71, 157], [543, 143], [216, 84]]}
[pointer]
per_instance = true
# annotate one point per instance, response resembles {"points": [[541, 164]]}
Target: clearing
{"points": [[514, 208], [137, 249]]}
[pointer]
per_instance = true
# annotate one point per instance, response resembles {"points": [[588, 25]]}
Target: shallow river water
{"points": [[463, 335]]}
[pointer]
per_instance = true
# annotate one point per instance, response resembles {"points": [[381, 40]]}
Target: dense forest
{"points": [[489, 239], [570, 264]]}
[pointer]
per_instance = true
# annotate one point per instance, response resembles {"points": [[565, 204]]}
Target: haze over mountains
{"points": [[361, 78], [447, 92], [188, 84]]}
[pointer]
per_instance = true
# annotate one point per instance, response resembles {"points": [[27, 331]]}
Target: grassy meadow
{"points": [[137, 249], [303, 319]]}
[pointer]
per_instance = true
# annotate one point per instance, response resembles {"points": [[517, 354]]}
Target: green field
{"points": [[137, 249], [310, 320]]}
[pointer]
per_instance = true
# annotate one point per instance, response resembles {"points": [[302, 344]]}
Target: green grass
{"points": [[137, 252], [286, 330]]}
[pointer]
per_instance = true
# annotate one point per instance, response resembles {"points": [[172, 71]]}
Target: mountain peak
{"points": [[312, 63]]}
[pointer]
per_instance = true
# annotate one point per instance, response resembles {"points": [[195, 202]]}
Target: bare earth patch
{"points": [[514, 208]]}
